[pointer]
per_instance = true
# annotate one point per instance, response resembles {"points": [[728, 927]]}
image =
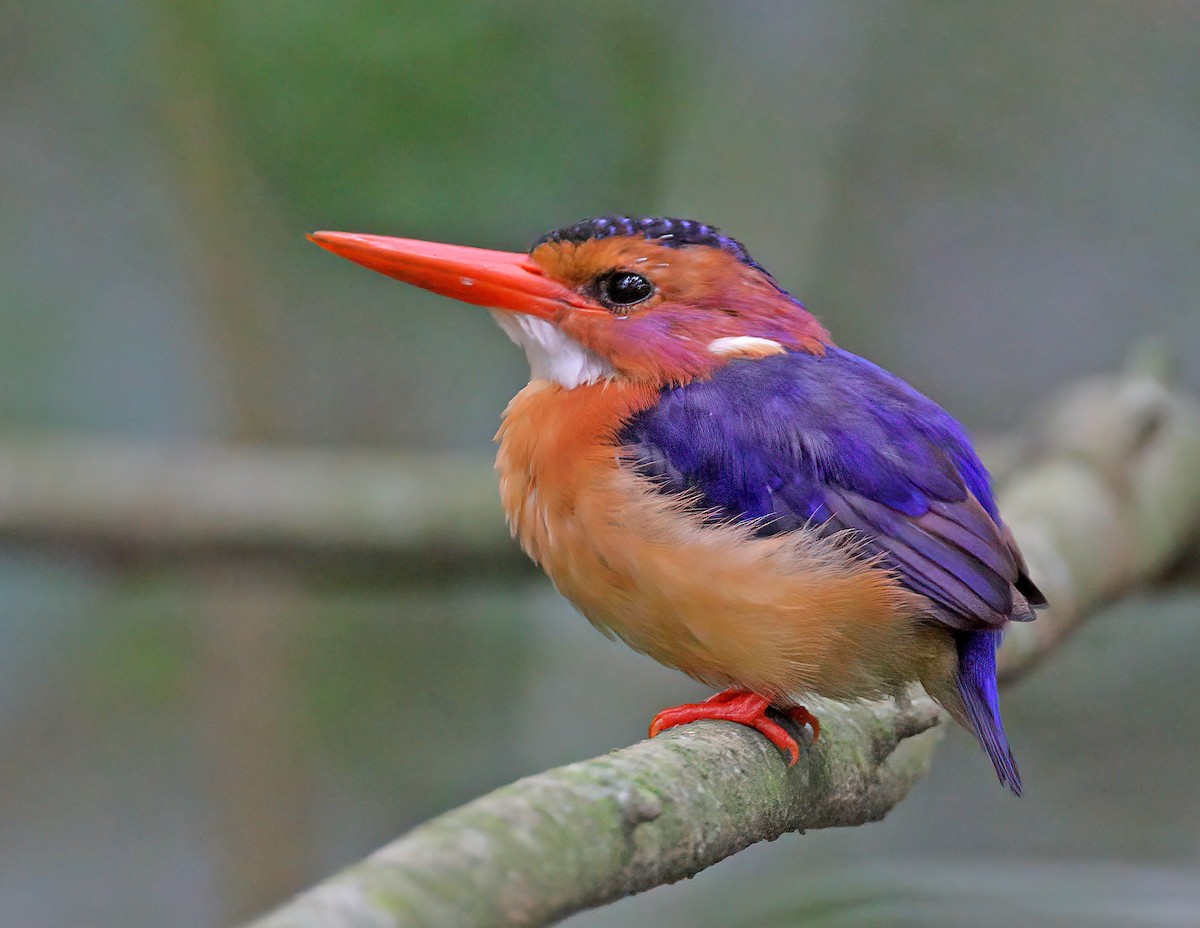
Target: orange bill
{"points": [[497, 279]]}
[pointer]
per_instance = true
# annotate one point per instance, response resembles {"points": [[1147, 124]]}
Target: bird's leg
{"points": [[745, 708]]}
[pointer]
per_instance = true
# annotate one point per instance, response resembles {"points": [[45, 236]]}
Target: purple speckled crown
{"points": [[673, 233]]}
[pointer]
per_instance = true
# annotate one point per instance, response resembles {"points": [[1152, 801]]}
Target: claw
{"points": [[802, 716], [745, 708]]}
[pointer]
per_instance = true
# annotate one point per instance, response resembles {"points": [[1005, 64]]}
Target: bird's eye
{"points": [[619, 289]]}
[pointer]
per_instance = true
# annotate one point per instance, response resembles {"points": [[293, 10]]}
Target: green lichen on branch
{"points": [[592, 832]]}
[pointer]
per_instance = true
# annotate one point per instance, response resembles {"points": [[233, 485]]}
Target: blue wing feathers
{"points": [[834, 442]]}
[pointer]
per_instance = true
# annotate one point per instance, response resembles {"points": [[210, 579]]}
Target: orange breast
{"points": [[781, 615]]}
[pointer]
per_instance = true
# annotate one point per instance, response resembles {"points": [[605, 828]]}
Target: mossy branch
{"points": [[1106, 496], [589, 833]]}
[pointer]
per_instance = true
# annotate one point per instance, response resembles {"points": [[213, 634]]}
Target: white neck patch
{"points": [[745, 346], [553, 355]]}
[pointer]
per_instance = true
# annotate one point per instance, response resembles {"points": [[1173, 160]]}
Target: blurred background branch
{"points": [[1108, 445], [143, 502]]}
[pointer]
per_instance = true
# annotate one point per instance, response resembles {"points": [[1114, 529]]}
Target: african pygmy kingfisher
{"points": [[706, 475]]}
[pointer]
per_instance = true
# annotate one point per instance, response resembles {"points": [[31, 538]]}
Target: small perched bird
{"points": [[707, 476]]}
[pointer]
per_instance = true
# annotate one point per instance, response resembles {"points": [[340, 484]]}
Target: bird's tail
{"points": [[979, 703]]}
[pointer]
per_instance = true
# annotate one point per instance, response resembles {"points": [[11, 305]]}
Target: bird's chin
{"points": [[553, 355]]}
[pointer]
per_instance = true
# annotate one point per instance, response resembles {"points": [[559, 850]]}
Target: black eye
{"points": [[623, 288]]}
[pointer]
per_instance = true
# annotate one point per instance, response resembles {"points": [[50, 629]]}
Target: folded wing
{"points": [[835, 444]]}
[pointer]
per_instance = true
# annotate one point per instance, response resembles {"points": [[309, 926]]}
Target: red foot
{"points": [[744, 707]]}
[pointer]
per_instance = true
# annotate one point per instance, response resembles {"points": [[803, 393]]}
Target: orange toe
{"points": [[803, 717], [743, 707]]}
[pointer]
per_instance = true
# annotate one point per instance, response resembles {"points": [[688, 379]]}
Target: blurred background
{"points": [[990, 199]]}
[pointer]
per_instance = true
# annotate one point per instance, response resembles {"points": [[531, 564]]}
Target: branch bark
{"points": [[1108, 497], [593, 832]]}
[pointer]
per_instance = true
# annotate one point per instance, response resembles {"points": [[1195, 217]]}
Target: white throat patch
{"points": [[553, 355]]}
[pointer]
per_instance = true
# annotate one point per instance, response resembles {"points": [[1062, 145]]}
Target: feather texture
{"points": [[779, 613], [834, 444]]}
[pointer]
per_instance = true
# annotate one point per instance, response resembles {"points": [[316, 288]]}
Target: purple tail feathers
{"points": [[977, 687]]}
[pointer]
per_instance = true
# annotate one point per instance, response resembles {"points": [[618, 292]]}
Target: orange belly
{"points": [[783, 615]]}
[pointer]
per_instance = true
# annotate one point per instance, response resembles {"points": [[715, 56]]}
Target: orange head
{"points": [[651, 301]]}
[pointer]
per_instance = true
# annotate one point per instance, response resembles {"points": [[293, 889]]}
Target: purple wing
{"points": [[835, 443]]}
